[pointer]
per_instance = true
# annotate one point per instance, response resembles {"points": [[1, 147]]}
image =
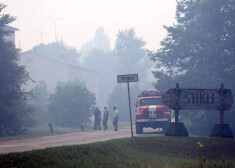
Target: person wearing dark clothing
{"points": [[105, 118], [97, 115]]}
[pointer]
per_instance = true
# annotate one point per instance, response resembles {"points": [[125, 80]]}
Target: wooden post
{"points": [[222, 104], [82, 127], [51, 127], [177, 105], [221, 129], [221, 116], [177, 115], [3, 132], [176, 128]]}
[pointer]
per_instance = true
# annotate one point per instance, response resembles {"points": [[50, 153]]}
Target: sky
{"points": [[75, 21]]}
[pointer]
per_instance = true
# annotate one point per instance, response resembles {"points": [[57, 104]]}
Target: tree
{"points": [[100, 42], [40, 101], [129, 50], [201, 41], [97, 55], [71, 104], [41, 93], [199, 52], [132, 58], [14, 110], [58, 50], [105, 63]]}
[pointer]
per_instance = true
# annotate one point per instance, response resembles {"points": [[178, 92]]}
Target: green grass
{"points": [[152, 152]]}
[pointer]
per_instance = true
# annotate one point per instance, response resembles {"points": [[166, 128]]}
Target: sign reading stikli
{"points": [[127, 78]]}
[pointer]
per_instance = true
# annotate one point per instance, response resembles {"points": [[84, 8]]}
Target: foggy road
{"points": [[27, 144], [20, 145]]}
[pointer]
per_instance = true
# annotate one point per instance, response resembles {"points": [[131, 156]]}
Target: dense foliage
{"points": [[105, 63], [199, 52], [14, 111], [58, 50], [40, 93], [129, 49], [128, 56], [40, 101], [71, 104], [131, 59]]}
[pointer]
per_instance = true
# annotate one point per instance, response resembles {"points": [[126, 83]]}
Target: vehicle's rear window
{"points": [[151, 101]]}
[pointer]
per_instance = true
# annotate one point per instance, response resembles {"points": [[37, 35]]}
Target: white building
{"points": [[47, 68], [51, 70], [11, 35]]}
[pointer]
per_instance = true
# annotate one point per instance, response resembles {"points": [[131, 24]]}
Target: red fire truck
{"points": [[150, 111]]}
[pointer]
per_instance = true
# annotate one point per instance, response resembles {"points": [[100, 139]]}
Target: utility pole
{"points": [[55, 20], [41, 33]]}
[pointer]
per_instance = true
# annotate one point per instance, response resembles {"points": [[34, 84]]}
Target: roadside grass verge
{"points": [[41, 130], [139, 152], [44, 130]]}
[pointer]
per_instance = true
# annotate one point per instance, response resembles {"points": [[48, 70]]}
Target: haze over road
{"points": [[27, 144]]}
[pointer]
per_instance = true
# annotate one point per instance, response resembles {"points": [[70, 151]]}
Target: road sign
{"points": [[127, 78], [198, 99]]}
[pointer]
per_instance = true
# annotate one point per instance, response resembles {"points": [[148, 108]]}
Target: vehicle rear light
{"points": [[138, 115]]}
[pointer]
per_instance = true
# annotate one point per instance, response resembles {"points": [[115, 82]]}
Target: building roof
{"points": [[74, 65], [10, 28]]}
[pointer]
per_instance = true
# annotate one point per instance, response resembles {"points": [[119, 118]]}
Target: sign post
{"points": [[128, 78], [201, 99], [172, 99]]}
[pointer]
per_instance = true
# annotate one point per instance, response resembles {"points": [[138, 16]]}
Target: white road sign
{"points": [[127, 78]]}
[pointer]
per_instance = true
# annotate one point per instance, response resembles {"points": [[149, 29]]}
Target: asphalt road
{"points": [[27, 144]]}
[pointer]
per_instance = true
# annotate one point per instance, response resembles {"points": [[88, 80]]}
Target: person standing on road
{"points": [[97, 115], [105, 118], [115, 120]]}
